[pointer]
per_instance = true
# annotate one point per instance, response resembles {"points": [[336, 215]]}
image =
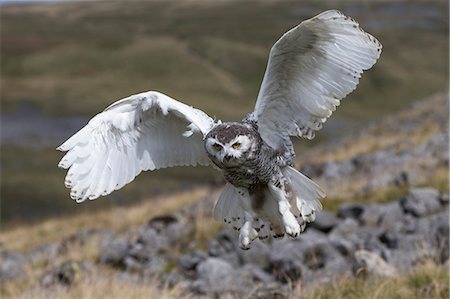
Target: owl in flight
{"points": [[311, 68]]}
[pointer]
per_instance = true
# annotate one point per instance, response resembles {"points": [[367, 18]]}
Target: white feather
{"points": [[310, 69], [141, 132], [307, 194]]}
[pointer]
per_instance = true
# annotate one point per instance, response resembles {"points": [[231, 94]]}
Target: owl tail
{"points": [[306, 195]]}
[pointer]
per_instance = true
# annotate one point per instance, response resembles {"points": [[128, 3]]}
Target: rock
{"points": [[224, 242], [13, 266], [421, 201], [154, 239], [215, 276], [325, 221], [292, 259], [349, 236], [258, 254], [256, 274], [368, 263], [271, 291], [44, 253], [190, 262], [114, 252], [336, 169], [372, 214], [350, 210], [175, 228], [393, 212], [65, 274]]}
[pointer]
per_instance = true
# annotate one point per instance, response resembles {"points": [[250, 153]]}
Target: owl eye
{"points": [[236, 145], [217, 146]]}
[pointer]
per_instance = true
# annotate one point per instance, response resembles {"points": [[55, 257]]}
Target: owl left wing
{"points": [[311, 68], [145, 131]]}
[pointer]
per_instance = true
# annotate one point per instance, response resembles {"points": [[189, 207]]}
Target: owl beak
{"points": [[227, 158]]}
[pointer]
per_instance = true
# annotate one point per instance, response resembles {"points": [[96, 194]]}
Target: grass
{"points": [[426, 281], [76, 58], [98, 284], [23, 237]]}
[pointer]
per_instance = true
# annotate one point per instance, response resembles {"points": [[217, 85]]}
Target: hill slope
{"points": [[401, 227]]}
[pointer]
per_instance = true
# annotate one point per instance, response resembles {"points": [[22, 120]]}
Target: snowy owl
{"points": [[310, 69]]}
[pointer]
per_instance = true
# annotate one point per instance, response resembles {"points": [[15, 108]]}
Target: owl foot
{"points": [[291, 226], [246, 235]]}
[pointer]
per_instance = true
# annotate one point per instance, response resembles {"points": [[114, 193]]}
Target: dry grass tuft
{"points": [[24, 237], [427, 281]]}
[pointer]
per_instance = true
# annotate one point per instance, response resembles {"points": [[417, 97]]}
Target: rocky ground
{"points": [[387, 213], [359, 239]]}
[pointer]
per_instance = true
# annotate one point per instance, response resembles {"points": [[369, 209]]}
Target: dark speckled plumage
{"points": [[259, 165]]}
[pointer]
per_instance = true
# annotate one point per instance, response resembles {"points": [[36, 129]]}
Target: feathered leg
{"points": [[291, 226]]}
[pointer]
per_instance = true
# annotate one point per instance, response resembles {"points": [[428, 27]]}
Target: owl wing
{"points": [[145, 131], [311, 68]]}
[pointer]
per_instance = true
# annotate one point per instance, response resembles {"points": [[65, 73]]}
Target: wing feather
{"points": [[311, 68], [146, 131]]}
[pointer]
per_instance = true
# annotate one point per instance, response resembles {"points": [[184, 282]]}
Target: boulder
{"points": [[370, 264], [325, 221], [13, 266], [66, 274], [114, 252], [421, 201], [214, 276], [190, 262], [350, 210]]}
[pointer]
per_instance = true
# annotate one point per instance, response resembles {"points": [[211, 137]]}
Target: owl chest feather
{"points": [[260, 169]]}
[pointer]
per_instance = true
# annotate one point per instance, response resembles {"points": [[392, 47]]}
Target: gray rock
{"points": [[114, 252], [44, 253], [293, 259], [258, 254], [393, 212], [421, 201], [13, 266], [215, 276], [174, 227], [270, 291], [368, 263], [153, 239], [372, 214], [190, 262], [325, 221], [224, 242], [256, 274], [66, 274], [350, 210]]}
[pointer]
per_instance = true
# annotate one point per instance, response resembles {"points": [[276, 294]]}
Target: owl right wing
{"points": [[311, 68], [145, 131]]}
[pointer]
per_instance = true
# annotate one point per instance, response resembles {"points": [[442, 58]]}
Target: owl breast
{"points": [[240, 153]]}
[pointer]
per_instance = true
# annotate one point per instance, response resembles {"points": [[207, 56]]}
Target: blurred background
{"points": [[62, 62]]}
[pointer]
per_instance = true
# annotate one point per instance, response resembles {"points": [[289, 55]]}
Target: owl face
{"points": [[229, 145]]}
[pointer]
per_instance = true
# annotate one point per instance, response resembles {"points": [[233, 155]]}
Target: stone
{"points": [[393, 212], [370, 264], [325, 221], [190, 262], [66, 274], [154, 239], [421, 201], [350, 210], [13, 266], [44, 253], [214, 276], [271, 291], [113, 252], [258, 254]]}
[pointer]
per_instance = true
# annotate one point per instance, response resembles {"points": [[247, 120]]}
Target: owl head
{"points": [[229, 144]]}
